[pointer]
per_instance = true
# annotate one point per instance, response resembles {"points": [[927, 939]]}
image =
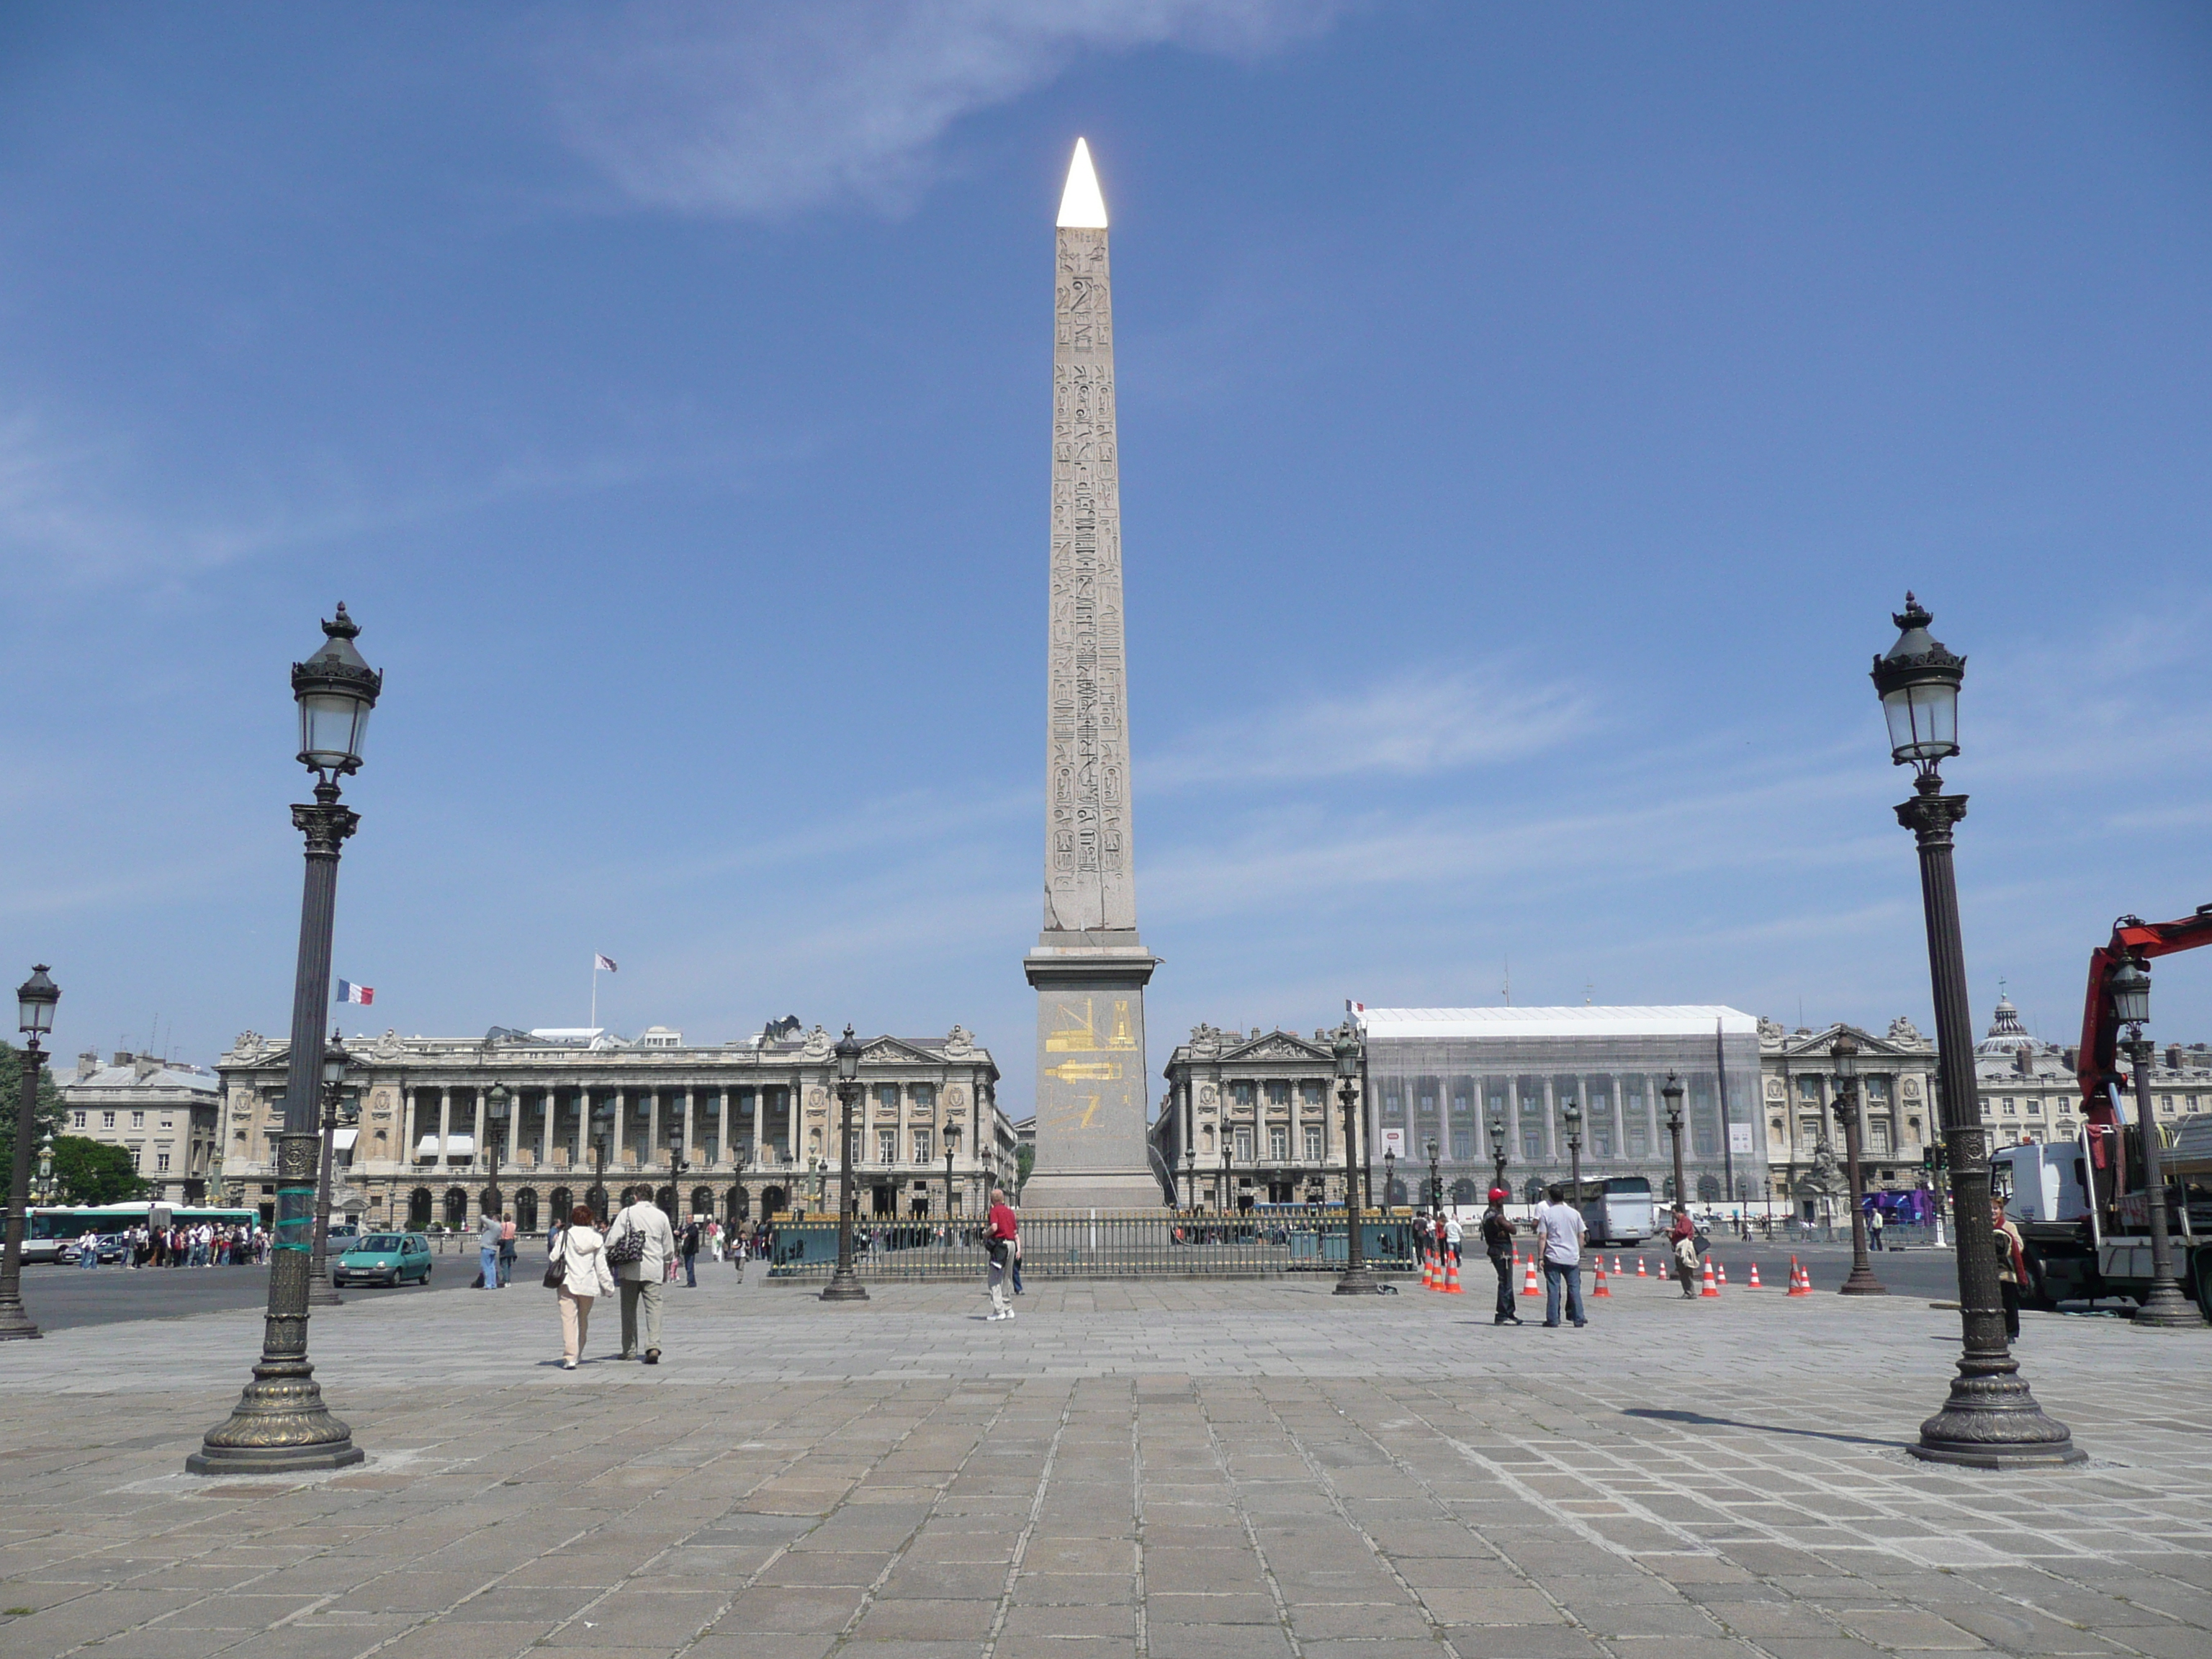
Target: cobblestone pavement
{"points": [[1217, 1470]]}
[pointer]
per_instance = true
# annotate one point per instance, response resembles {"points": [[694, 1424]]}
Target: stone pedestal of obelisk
{"points": [[1088, 967]]}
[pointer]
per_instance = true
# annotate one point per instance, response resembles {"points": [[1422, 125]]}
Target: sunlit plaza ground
{"points": [[1201, 1469]]}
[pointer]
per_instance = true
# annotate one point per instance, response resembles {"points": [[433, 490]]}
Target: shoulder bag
{"points": [[629, 1249]]}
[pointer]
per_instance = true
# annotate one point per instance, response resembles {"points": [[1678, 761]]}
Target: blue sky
{"points": [[1530, 416]]}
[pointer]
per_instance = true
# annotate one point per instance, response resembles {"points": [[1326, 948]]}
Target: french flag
{"points": [[348, 992]]}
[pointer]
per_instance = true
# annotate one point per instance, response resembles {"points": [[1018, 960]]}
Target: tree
{"points": [[1025, 1161], [92, 1172], [50, 1116]]}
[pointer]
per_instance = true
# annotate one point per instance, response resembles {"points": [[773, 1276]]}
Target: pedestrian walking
{"points": [[488, 1232], [2012, 1265], [740, 1247], [1497, 1244], [577, 1269], [1002, 1230], [1454, 1236], [88, 1249], [1559, 1225], [506, 1247], [1874, 1227], [642, 1246], [1682, 1252], [690, 1248]]}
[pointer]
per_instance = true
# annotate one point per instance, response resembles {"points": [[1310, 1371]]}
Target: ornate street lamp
{"points": [[322, 1290], [1389, 1177], [1190, 1175], [34, 1016], [1498, 1153], [2167, 1307], [281, 1425], [845, 1285], [1350, 1053], [603, 1119], [1671, 1092], [1436, 1181], [951, 1144], [1572, 1116], [1844, 1057], [1990, 1420]]}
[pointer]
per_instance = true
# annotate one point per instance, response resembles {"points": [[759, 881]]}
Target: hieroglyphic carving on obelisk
{"points": [[1088, 967], [1088, 881]]}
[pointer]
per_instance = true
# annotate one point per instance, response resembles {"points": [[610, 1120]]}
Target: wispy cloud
{"points": [[1421, 722], [769, 108]]}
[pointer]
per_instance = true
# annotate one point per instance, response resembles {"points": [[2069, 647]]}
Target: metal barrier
{"points": [[1103, 1244]]}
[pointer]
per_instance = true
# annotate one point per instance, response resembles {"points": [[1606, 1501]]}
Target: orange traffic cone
{"points": [[1640, 1274], [1801, 1282], [1451, 1276], [1528, 1285], [1722, 1270], [1428, 1273], [1711, 1288], [1755, 1276], [1600, 1289], [1616, 1267]]}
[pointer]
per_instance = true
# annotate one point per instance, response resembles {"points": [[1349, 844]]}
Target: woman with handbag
{"points": [[578, 1272]]}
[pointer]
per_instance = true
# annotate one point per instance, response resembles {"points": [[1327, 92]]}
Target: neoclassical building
{"points": [[160, 1111], [740, 1131], [1805, 1148], [1252, 1119]]}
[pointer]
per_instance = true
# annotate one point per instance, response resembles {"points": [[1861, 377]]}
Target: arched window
{"points": [[557, 1208], [702, 1201], [774, 1200], [739, 1208], [418, 1209], [491, 1201], [457, 1206], [1709, 1188], [1534, 1189], [525, 1210], [1464, 1191], [666, 1199]]}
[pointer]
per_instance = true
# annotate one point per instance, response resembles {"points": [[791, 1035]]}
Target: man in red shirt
{"points": [[1001, 1229]]}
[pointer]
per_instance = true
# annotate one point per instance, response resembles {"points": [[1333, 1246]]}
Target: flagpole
{"points": [[595, 993]]}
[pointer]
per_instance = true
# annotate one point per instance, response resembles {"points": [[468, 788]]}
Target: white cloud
{"points": [[1418, 723], [769, 108]]}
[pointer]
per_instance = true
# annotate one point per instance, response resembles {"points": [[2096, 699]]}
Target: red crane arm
{"points": [[2097, 1062]]}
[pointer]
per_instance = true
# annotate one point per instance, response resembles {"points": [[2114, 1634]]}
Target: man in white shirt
{"points": [[641, 1279], [1453, 1234], [1559, 1225]]}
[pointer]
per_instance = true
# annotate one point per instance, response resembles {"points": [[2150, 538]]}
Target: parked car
{"points": [[384, 1259], [112, 1247]]}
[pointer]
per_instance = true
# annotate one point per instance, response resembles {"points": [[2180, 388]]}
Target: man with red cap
{"points": [[1497, 1243]]}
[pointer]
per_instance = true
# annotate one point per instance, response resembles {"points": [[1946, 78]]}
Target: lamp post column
{"points": [[1498, 1152], [845, 1285], [322, 1290], [1351, 1062], [280, 1424], [2166, 1308], [1672, 1094], [1844, 1053], [36, 1000], [1571, 1115]]}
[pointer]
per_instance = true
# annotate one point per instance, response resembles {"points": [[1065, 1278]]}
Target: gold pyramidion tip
{"points": [[1081, 206]]}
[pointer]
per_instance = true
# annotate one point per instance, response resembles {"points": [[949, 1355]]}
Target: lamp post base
{"points": [[844, 1285], [1863, 1283], [322, 1293], [1356, 1281], [280, 1427], [1992, 1422], [15, 1325], [2166, 1308]]}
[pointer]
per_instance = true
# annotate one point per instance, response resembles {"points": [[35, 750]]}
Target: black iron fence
{"points": [[1103, 1244]]}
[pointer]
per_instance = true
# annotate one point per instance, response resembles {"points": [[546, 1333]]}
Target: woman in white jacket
{"points": [[581, 1254]]}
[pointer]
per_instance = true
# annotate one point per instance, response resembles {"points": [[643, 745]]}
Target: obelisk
{"points": [[1089, 969]]}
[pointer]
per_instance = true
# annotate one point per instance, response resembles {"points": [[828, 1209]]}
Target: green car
{"points": [[384, 1259]]}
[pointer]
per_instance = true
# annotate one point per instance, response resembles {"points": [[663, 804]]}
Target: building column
{"points": [[445, 1123], [552, 1104], [582, 1158], [691, 1144], [406, 1129], [508, 1153], [722, 1125], [477, 1133], [653, 1135]]}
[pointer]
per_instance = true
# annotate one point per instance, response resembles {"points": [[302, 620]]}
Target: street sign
{"points": [[1739, 1137], [1394, 1143]]}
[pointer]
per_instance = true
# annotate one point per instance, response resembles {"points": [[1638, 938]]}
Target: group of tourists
{"points": [[637, 1254], [202, 1244]]}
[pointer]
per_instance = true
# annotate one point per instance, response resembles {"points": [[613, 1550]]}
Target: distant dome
{"points": [[2007, 1034]]}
